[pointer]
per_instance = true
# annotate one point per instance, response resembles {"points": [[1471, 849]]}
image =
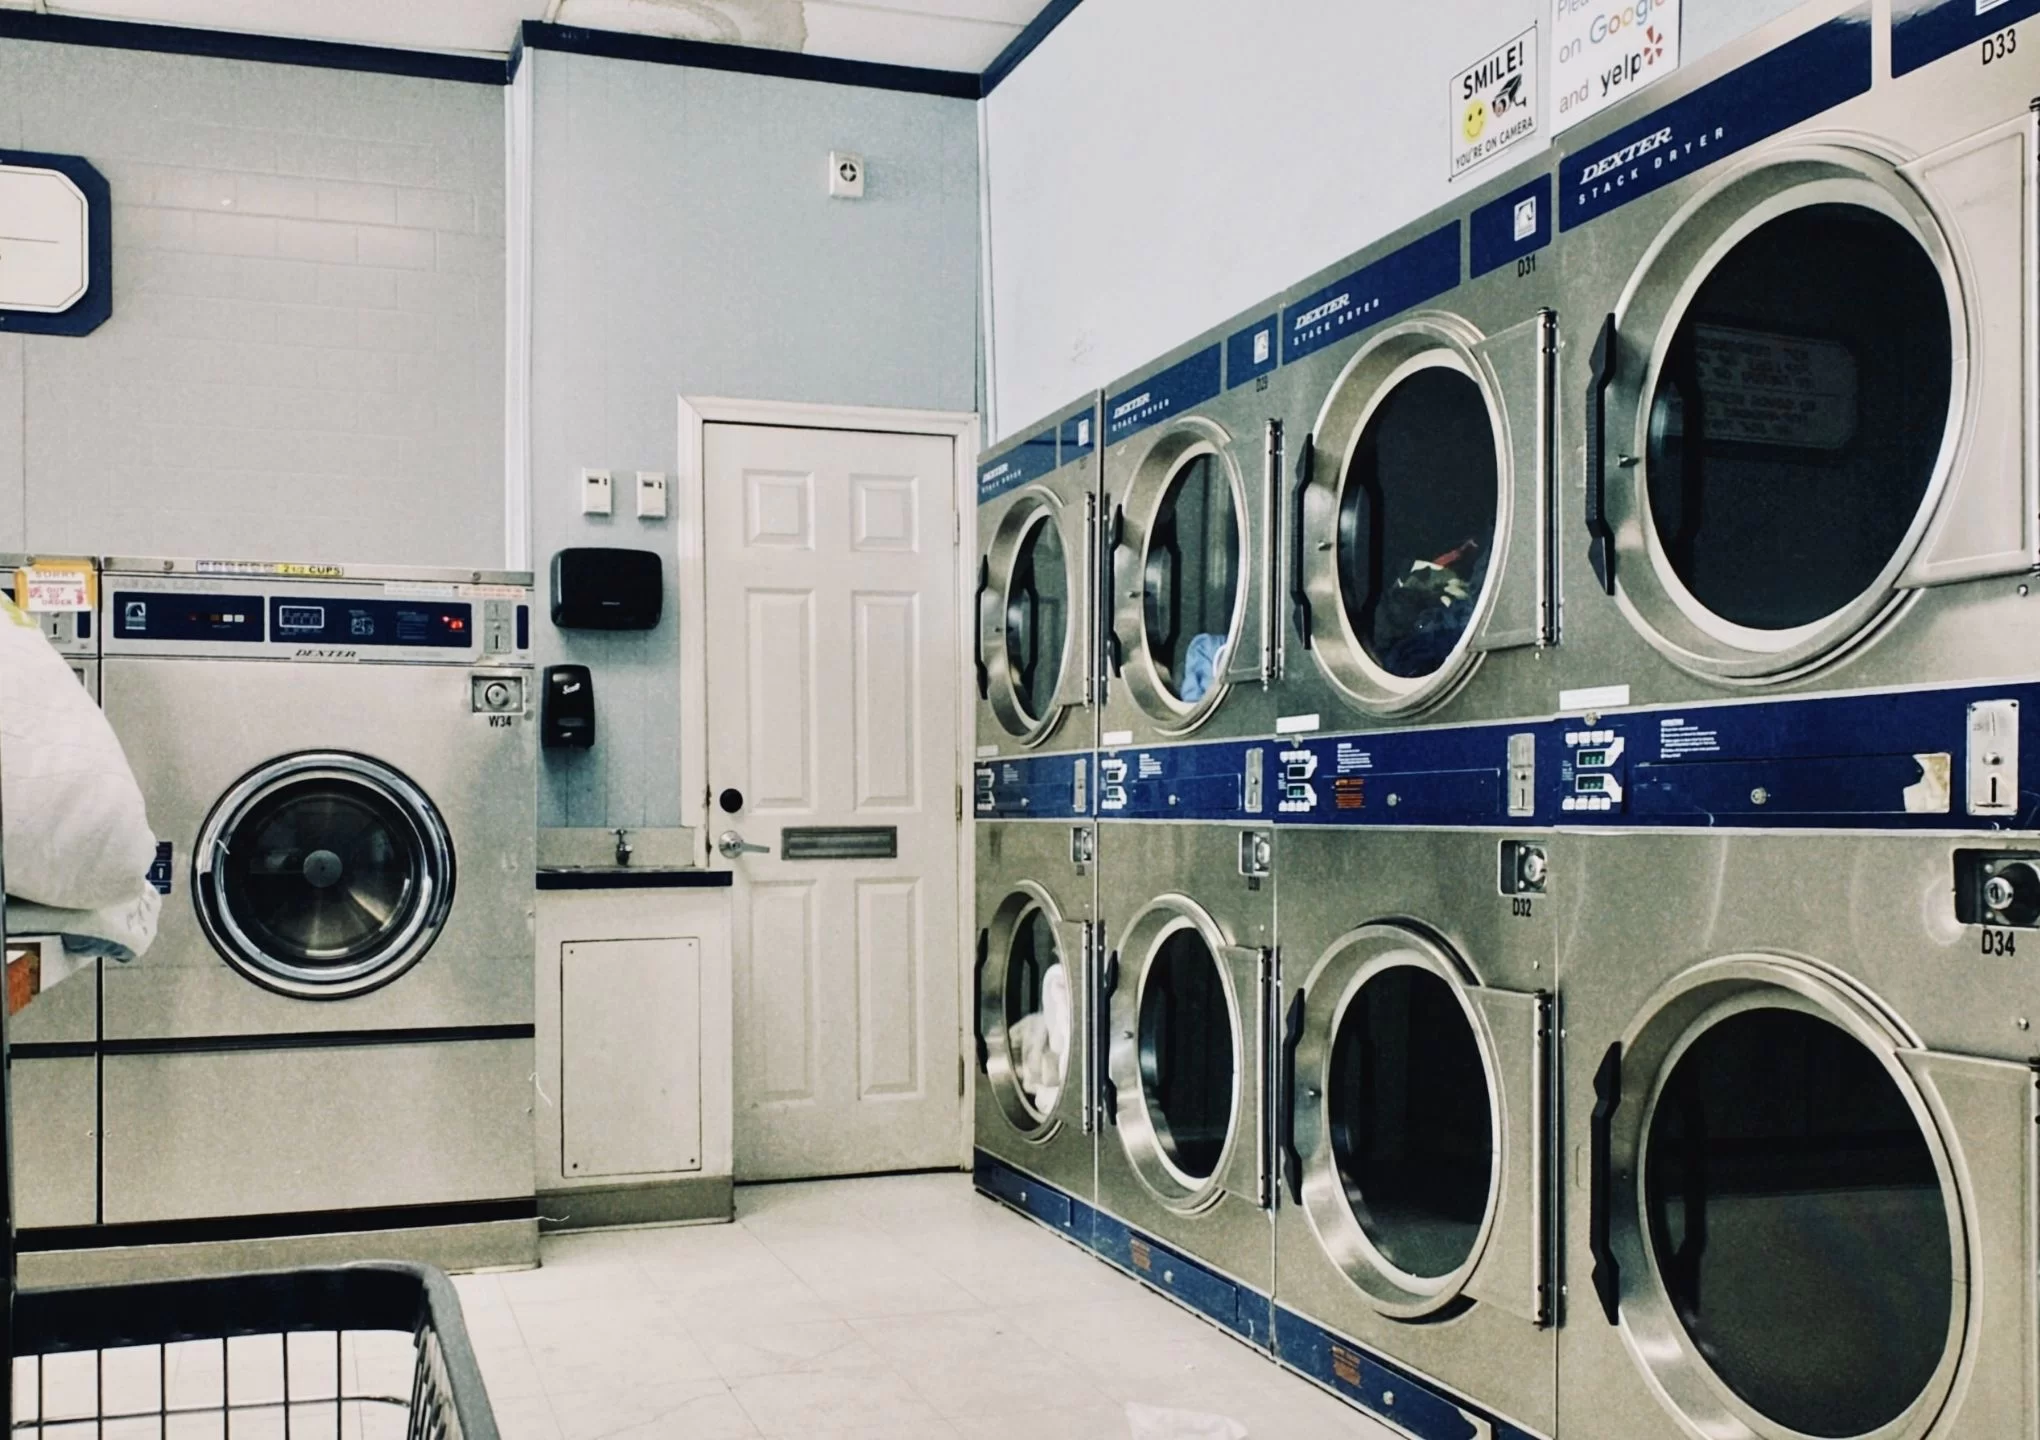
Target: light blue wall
{"points": [[684, 244]]}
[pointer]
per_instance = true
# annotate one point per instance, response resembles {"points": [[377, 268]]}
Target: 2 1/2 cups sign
{"points": [[1603, 51], [1494, 102]]}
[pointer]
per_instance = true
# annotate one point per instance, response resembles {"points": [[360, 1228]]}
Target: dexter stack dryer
{"points": [[1035, 839], [332, 1034], [1416, 388], [1799, 382]]}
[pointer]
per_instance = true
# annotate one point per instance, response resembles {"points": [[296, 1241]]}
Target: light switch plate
{"points": [[651, 495], [595, 492]]}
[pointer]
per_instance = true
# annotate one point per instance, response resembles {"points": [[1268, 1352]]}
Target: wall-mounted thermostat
{"points": [[651, 495], [846, 175], [595, 492]]}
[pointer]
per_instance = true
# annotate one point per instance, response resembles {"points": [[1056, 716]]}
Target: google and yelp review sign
{"points": [[1605, 50]]}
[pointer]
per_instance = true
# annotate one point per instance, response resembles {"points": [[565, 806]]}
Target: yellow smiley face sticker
{"points": [[1475, 121]]}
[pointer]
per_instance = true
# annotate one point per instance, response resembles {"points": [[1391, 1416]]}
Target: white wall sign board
{"points": [[44, 244], [1494, 102], [1603, 51]]}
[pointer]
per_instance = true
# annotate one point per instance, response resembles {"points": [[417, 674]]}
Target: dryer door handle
{"points": [[977, 1009], [1292, 1161], [1600, 1182], [1601, 374], [984, 583], [1299, 587], [1108, 610], [1108, 1093]]}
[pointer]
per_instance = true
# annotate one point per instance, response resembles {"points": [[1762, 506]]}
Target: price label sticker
{"points": [[55, 587]]}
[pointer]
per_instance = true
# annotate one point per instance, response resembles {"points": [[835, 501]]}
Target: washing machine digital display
{"points": [[354, 622]]}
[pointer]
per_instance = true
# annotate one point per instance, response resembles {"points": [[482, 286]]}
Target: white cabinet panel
{"points": [[630, 1057]]}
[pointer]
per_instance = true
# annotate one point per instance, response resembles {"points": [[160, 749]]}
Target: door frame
{"points": [[965, 430]]}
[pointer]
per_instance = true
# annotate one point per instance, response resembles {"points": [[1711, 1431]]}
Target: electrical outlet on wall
{"points": [[595, 492], [651, 494]]}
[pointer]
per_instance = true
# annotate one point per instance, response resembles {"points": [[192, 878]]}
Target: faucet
{"points": [[622, 846]]}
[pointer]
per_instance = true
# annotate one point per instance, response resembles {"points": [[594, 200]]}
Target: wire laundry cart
{"points": [[352, 1352]]}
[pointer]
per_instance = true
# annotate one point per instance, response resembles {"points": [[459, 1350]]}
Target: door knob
{"points": [[731, 845]]}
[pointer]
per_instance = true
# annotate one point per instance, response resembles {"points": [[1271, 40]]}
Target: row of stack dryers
{"points": [[1510, 761], [327, 1052]]}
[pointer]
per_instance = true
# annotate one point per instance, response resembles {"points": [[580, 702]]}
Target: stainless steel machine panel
{"points": [[1191, 470], [1036, 643], [1035, 970], [1416, 394], [1185, 1042], [411, 756], [199, 1135], [1795, 473], [1801, 1141], [1414, 1120], [55, 1104]]}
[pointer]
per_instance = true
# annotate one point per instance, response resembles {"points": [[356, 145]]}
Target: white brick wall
{"points": [[305, 358]]}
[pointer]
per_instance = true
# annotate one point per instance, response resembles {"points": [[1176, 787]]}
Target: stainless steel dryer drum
{"points": [[1413, 1119], [337, 1012], [1184, 1046], [1189, 506], [1801, 1138], [1037, 544], [1033, 1018], [1417, 390], [1799, 380]]}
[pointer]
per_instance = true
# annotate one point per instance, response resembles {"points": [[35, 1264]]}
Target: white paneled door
{"points": [[832, 660]]}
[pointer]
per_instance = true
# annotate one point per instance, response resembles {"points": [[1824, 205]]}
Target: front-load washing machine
{"points": [[1036, 890], [1191, 472], [1417, 388], [1801, 1129], [1184, 1175], [1037, 542], [336, 1019], [70, 632], [1412, 1121], [1799, 379]]}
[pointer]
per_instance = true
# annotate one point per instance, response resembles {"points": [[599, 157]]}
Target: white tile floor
{"points": [[905, 1308]]}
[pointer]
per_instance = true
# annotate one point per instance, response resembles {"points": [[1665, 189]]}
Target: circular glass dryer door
{"points": [[1783, 1197], [1181, 569], [1177, 1059], [1027, 1018], [1792, 376], [1030, 617], [323, 875], [1404, 516], [1401, 1105]]}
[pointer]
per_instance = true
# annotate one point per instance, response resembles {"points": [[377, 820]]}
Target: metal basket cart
{"points": [[353, 1352]]}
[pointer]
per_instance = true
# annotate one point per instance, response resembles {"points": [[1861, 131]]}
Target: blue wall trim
{"points": [[93, 307], [265, 49], [1026, 43], [750, 60]]}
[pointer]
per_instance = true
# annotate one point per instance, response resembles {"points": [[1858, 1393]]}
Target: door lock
{"points": [[730, 845], [1524, 868], [2000, 888]]}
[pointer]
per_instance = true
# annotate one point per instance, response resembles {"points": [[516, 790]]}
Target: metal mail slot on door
{"points": [[840, 842]]}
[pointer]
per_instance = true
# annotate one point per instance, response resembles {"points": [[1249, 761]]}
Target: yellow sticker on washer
{"points": [[56, 585]]}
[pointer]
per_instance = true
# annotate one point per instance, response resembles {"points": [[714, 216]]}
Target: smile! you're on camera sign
{"points": [[1603, 51], [1494, 102]]}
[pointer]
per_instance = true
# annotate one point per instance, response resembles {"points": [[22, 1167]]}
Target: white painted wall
{"points": [[1158, 166]]}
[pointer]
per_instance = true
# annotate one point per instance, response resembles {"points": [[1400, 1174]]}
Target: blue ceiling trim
{"points": [[267, 49], [751, 60], [1025, 43]]}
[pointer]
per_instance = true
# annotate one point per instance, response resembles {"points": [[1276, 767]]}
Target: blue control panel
{"points": [[1036, 787], [325, 620], [178, 615]]}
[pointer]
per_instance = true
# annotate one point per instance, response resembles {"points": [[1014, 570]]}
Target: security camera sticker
{"points": [[1494, 103]]}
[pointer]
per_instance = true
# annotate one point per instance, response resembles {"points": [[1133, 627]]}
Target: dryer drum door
{"points": [[1818, 392], [1031, 1014], [1810, 1220], [1187, 576], [1186, 1055], [1423, 520], [323, 875], [1031, 617], [1420, 1120]]}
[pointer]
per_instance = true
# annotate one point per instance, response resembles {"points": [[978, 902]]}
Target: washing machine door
{"points": [[1418, 517], [1805, 1224], [1418, 1125], [323, 875], [1811, 400], [1186, 582], [1033, 976], [1183, 1056], [1032, 633]]}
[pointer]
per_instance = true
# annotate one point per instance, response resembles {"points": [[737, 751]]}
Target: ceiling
{"points": [[940, 34]]}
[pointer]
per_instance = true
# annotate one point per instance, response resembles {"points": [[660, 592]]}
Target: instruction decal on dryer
{"points": [[1505, 230], [1922, 31]]}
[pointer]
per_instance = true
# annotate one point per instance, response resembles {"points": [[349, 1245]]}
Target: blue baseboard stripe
{"points": [[1061, 1212], [1380, 1388], [1243, 1311]]}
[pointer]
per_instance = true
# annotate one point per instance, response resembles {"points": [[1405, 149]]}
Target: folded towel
{"points": [[120, 931]]}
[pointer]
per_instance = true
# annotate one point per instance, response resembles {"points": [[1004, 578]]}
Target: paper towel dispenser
{"points": [[600, 588]]}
